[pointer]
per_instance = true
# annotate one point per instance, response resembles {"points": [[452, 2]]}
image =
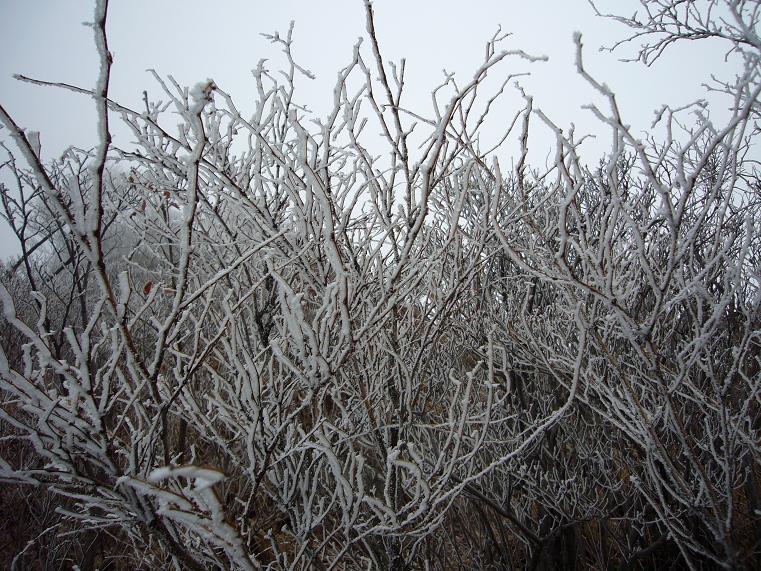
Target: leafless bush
{"points": [[250, 343]]}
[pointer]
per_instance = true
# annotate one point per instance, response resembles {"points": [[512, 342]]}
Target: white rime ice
{"points": [[255, 341]]}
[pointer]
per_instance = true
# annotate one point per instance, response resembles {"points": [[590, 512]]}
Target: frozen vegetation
{"points": [[247, 342]]}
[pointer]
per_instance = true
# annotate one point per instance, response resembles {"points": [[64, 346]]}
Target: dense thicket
{"points": [[248, 342]]}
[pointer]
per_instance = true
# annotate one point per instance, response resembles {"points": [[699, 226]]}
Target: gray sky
{"points": [[193, 40]]}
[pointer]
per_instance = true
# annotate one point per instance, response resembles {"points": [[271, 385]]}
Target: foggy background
{"points": [[194, 40]]}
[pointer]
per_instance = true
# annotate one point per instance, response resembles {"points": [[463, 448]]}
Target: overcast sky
{"points": [[194, 40]]}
